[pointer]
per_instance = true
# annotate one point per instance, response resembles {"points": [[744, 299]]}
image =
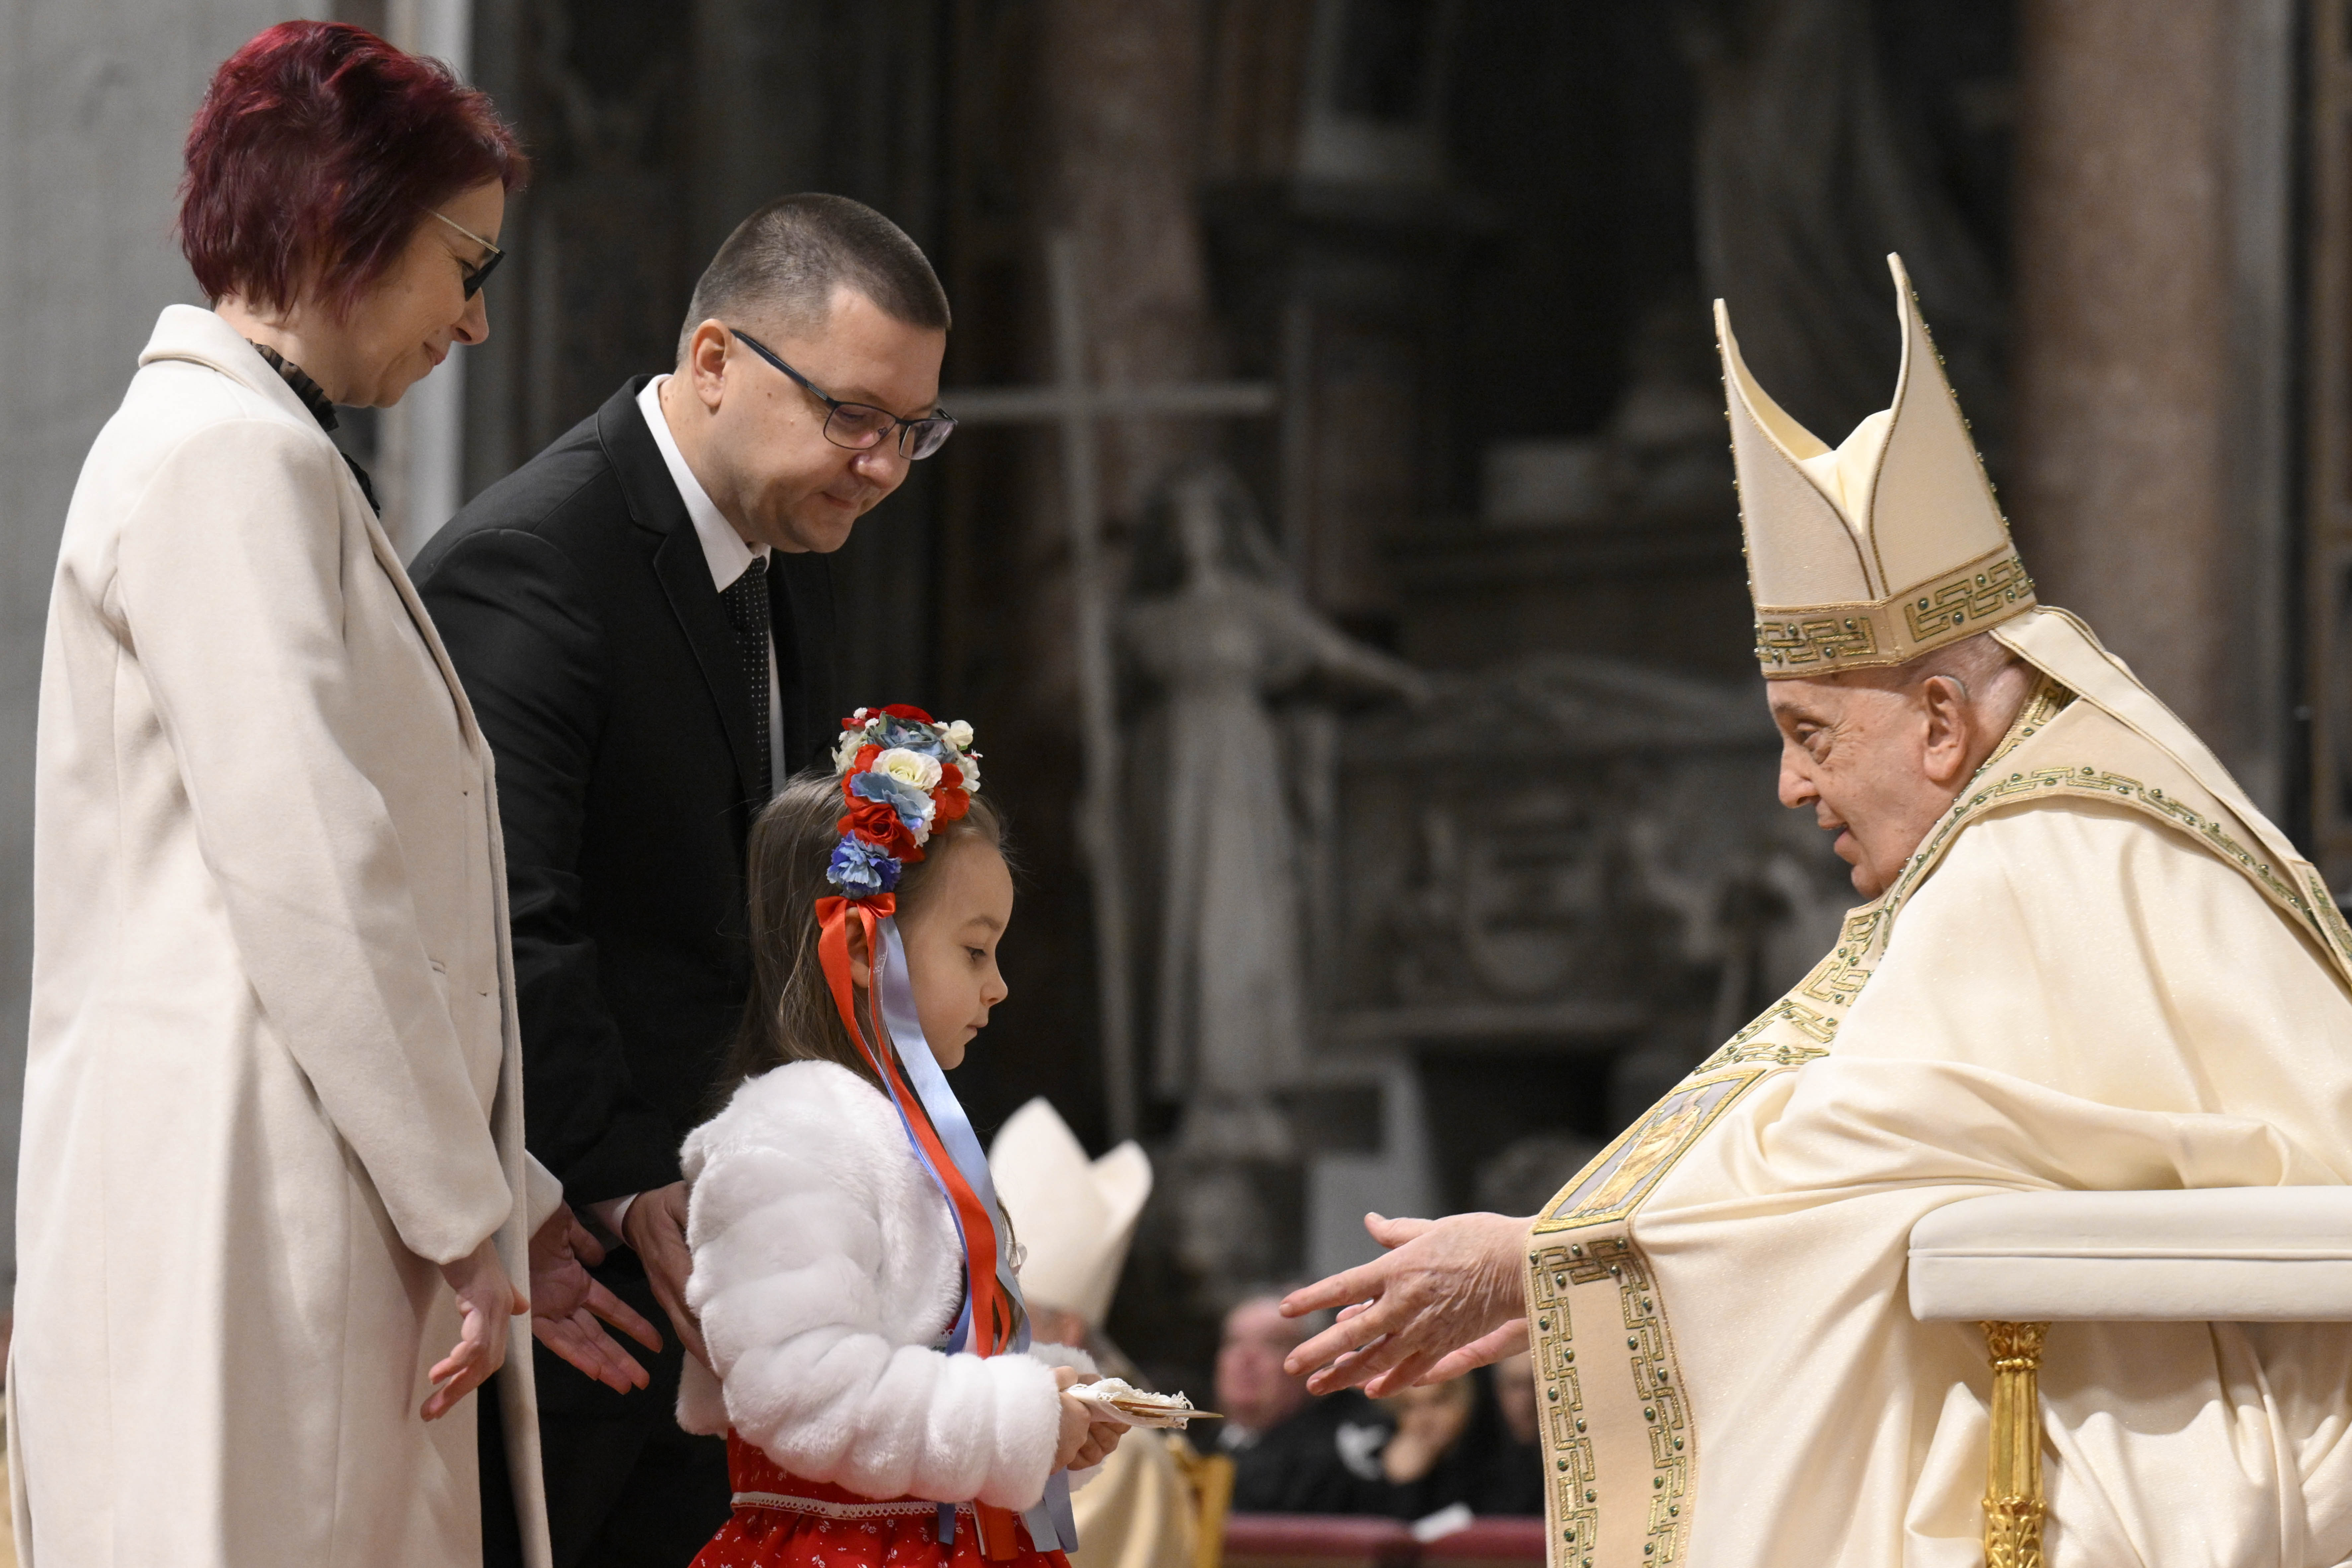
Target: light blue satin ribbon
{"points": [[1052, 1526]]}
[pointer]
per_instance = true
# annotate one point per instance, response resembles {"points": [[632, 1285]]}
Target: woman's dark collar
{"points": [[322, 409], [313, 397]]}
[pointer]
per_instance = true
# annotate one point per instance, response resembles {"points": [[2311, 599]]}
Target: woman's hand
{"points": [[1089, 1432], [486, 1300]]}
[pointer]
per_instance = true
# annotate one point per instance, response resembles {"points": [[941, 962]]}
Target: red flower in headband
{"points": [[954, 799], [878, 823]]}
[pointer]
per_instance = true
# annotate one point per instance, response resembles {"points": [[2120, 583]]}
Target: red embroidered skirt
{"points": [[780, 1518]]}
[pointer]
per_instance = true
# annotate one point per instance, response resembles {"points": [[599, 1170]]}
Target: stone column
{"points": [[1121, 89], [2153, 263], [95, 97]]}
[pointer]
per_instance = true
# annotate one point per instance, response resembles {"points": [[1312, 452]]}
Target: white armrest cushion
{"points": [[2213, 1255]]}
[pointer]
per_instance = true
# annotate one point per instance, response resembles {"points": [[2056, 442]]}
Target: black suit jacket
{"points": [[577, 604]]}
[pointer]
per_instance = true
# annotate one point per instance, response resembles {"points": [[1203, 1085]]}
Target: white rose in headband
{"points": [[959, 735], [908, 767]]}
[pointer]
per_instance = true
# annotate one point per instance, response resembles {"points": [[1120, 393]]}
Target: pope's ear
{"points": [[1950, 721]]}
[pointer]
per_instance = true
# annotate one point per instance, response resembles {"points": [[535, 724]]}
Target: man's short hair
{"points": [[783, 262]]}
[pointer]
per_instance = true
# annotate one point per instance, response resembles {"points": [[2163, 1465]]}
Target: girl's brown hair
{"points": [[792, 1016]]}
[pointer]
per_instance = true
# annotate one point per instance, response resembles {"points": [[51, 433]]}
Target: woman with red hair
{"points": [[273, 1186]]}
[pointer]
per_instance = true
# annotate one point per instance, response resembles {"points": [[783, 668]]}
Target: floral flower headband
{"points": [[903, 775]]}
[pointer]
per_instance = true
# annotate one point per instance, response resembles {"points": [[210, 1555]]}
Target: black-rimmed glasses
{"points": [[861, 427], [477, 273]]}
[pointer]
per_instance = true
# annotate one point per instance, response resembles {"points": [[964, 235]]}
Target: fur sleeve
{"points": [[792, 1189]]}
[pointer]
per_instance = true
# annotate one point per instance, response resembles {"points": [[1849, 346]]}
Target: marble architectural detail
{"points": [[1537, 855]]}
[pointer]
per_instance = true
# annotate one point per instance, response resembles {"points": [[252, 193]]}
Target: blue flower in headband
{"points": [[913, 806], [861, 869]]}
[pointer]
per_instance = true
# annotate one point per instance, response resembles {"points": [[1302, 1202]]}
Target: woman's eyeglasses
{"points": [[477, 273], [861, 427]]}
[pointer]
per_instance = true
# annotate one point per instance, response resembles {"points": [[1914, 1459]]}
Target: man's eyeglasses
{"points": [[861, 427], [477, 273]]}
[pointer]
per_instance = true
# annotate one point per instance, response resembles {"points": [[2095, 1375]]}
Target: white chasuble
{"points": [[2104, 970]]}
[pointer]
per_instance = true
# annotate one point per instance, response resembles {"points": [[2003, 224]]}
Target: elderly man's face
{"points": [[1253, 1391], [1878, 760]]}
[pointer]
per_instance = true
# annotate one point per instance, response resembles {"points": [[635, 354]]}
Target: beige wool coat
{"points": [[274, 1077]]}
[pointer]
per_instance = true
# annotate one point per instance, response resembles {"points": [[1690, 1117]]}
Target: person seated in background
{"points": [[1072, 1220], [1455, 1444], [1514, 1398], [1292, 1452]]}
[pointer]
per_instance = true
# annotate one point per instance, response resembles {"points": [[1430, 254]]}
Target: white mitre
{"points": [[1072, 1217], [1882, 550]]}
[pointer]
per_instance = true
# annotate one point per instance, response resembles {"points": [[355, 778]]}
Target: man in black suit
{"points": [[643, 618]]}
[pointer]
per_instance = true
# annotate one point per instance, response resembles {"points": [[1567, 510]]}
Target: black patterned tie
{"points": [[747, 608]]}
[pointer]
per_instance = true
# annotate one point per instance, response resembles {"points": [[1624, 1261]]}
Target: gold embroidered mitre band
{"points": [[1884, 549]]}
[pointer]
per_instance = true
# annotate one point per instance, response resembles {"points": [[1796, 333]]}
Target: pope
{"points": [[2086, 962]]}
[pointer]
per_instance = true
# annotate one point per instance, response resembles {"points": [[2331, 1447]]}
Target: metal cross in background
{"points": [[1076, 406]]}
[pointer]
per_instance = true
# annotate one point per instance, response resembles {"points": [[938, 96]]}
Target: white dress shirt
{"points": [[724, 549]]}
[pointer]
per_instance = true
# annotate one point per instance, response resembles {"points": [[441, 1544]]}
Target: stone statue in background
{"points": [[1219, 631]]}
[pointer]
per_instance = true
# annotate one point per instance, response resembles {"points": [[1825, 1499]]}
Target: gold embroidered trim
{"points": [[1807, 639], [2325, 902], [1575, 1513], [1622, 1174], [2048, 699], [1803, 643], [1946, 610], [1814, 1025], [1834, 981], [1575, 1498], [1839, 978], [1658, 1382]]}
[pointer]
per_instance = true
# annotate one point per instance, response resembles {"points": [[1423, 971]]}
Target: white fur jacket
{"points": [[825, 1266]]}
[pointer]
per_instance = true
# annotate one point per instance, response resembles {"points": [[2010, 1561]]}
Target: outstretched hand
{"points": [[1447, 1298], [566, 1302]]}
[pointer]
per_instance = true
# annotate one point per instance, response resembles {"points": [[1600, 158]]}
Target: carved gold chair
{"points": [[1211, 1478], [2018, 1262]]}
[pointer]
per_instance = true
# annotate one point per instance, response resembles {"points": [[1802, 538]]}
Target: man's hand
{"points": [[486, 1300], [566, 1301], [1445, 1299], [1089, 1432], [654, 1228]]}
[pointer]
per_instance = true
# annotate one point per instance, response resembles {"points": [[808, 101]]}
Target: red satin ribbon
{"points": [[992, 1322]]}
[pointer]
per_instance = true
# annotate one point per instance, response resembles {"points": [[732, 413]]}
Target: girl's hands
{"points": [[1089, 1432]]}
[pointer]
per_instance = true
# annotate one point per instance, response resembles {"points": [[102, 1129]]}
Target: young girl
{"points": [[854, 1275]]}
